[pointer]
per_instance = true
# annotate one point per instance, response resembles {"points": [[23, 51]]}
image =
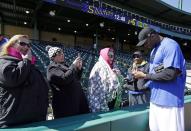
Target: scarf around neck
{"points": [[15, 53]]}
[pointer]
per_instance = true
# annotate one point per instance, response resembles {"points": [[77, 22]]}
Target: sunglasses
{"points": [[25, 44], [136, 56], [111, 55]]}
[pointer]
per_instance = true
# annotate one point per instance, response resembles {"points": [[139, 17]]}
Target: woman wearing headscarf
{"points": [[68, 96], [105, 82], [23, 89]]}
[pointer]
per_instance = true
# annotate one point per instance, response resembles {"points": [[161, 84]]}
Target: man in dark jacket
{"points": [[23, 89], [68, 96], [138, 92]]}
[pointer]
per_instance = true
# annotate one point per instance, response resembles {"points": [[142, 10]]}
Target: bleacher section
{"points": [[89, 59], [122, 61]]}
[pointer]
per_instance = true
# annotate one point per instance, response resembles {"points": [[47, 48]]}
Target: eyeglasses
{"points": [[25, 44]]}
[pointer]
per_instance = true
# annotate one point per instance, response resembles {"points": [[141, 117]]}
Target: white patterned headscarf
{"points": [[103, 86]]}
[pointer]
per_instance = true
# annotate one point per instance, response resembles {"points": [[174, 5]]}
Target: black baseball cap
{"points": [[138, 53], [143, 35]]}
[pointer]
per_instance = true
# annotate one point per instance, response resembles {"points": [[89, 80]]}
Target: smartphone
{"points": [[79, 55]]}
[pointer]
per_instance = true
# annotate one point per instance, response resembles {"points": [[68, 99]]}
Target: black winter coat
{"points": [[23, 92], [68, 96]]}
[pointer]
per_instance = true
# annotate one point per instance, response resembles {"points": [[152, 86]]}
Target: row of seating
{"points": [[122, 60]]}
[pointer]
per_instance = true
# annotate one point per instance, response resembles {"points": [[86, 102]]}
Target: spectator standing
{"points": [[105, 83], [23, 89], [138, 92], [68, 96]]}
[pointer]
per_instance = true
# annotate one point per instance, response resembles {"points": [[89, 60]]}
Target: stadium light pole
{"points": [[180, 4]]}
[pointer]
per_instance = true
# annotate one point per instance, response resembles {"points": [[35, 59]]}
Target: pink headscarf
{"points": [[104, 54], [13, 52]]}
